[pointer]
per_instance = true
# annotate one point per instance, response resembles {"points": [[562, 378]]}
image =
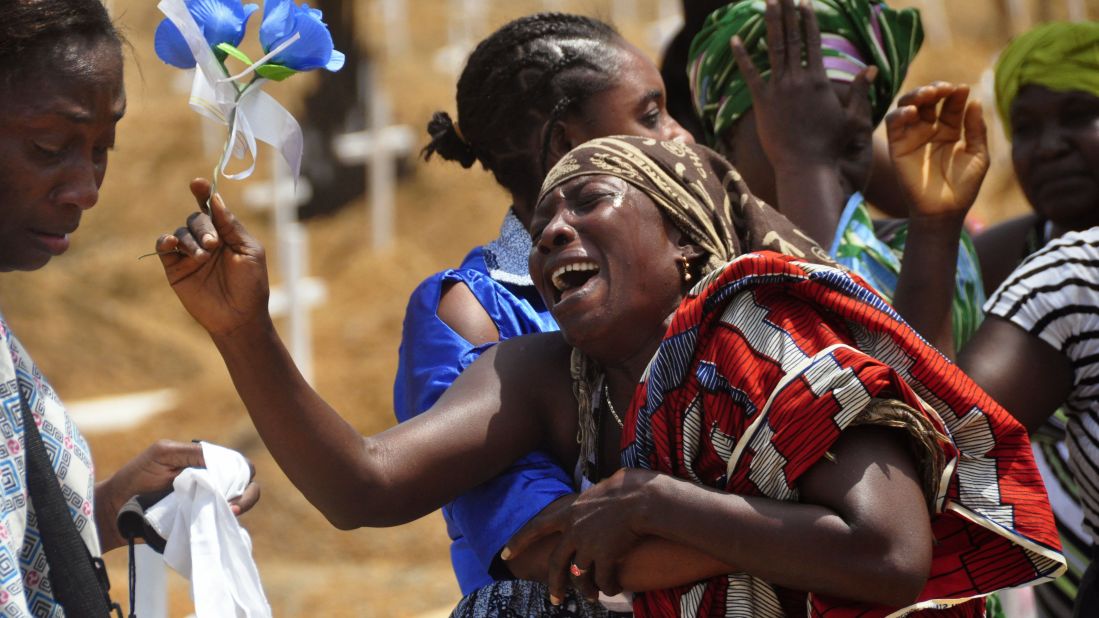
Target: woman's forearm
{"points": [[653, 564], [475, 430], [321, 453], [925, 287], [862, 532]]}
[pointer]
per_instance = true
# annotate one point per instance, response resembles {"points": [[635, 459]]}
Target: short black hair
{"points": [[515, 85], [30, 27]]}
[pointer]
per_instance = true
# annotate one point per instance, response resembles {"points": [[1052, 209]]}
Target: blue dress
{"points": [[481, 521]]}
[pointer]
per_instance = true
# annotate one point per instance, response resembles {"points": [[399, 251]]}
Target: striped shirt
{"points": [[1054, 295]]}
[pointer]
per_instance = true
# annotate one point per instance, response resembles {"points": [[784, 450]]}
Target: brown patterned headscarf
{"points": [[701, 193], [697, 189]]}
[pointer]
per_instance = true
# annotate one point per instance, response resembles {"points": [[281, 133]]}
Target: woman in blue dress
{"points": [[530, 92]]}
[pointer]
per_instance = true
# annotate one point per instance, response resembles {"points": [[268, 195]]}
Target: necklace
{"points": [[610, 406]]}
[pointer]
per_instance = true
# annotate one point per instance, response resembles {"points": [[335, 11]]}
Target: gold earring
{"points": [[686, 267]]}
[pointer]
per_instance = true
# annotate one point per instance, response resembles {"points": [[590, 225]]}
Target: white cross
{"points": [[466, 20], [298, 292], [395, 26], [378, 148]]}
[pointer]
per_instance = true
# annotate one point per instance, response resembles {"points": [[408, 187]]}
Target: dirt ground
{"points": [[99, 322]]}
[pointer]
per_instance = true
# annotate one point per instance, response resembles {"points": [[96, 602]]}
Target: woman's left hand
{"points": [[154, 469], [597, 530]]}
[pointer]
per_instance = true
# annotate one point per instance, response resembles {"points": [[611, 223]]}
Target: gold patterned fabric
{"points": [[697, 189]]}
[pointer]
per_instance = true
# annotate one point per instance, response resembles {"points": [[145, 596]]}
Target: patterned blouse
{"points": [[875, 255], [24, 590]]}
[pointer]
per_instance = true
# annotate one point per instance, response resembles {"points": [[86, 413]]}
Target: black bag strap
{"points": [[79, 582]]}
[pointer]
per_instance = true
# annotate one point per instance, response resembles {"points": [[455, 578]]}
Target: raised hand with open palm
{"points": [[937, 140]]}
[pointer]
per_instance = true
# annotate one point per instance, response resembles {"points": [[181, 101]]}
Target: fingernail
{"points": [[554, 600], [505, 554], [207, 239]]}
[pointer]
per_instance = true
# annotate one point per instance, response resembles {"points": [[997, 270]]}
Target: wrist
{"points": [[650, 510], [253, 332], [936, 223], [107, 502]]}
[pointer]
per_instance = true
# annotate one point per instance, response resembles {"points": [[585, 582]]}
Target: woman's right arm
{"points": [[475, 430]]}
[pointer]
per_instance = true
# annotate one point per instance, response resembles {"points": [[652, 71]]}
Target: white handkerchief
{"points": [[205, 543]]}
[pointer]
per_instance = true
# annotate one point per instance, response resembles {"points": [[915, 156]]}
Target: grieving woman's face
{"points": [[604, 259], [56, 129], [1055, 150]]}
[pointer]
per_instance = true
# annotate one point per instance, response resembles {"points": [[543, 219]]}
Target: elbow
{"points": [[901, 575], [373, 498], [342, 520], [901, 585]]}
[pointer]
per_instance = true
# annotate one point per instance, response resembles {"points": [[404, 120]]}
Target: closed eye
{"points": [[48, 151], [651, 119]]}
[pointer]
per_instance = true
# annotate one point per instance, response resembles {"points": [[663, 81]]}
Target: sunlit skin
{"points": [[595, 219], [806, 147], [56, 131]]}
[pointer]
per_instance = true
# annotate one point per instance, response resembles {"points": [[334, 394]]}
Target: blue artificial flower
{"points": [[314, 50], [221, 21]]}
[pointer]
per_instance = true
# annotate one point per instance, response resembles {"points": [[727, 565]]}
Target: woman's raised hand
{"points": [[799, 115], [216, 268], [939, 147]]}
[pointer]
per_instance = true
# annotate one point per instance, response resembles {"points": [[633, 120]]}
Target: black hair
{"points": [[516, 84], [31, 27]]}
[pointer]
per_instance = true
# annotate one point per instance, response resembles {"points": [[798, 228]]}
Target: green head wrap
{"points": [[854, 34], [1061, 56]]}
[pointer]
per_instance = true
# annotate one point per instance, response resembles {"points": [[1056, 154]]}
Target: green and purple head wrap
{"points": [[854, 34]]}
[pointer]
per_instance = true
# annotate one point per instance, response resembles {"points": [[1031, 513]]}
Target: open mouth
{"points": [[571, 277]]}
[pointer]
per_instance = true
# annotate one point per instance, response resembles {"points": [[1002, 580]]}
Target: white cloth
{"points": [[205, 543]]}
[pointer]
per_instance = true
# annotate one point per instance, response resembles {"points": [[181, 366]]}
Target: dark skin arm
{"points": [[938, 144], [651, 563], [1023, 373], [475, 430], [860, 532], [489, 417], [223, 284]]}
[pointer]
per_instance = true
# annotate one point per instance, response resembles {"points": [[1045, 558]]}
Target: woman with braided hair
{"points": [[529, 92]]}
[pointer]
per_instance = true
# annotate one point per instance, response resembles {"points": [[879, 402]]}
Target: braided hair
{"points": [[516, 84], [31, 29]]}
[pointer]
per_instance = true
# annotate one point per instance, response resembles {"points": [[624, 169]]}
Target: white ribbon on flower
{"points": [[256, 115]]}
